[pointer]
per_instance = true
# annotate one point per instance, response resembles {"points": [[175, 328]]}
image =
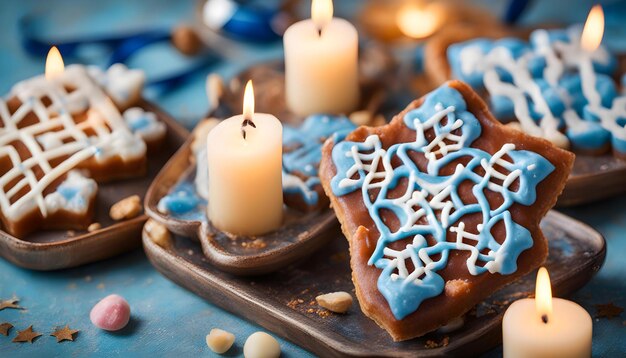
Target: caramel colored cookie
{"points": [[441, 208]]}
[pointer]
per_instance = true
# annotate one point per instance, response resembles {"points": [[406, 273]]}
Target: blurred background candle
{"points": [[546, 326], [321, 63], [245, 172]]}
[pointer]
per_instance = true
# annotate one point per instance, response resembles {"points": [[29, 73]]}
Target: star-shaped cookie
{"points": [[441, 207], [27, 335], [64, 334], [5, 328], [11, 303]]}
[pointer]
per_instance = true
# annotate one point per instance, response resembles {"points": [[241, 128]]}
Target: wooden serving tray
{"points": [[281, 302], [51, 250]]}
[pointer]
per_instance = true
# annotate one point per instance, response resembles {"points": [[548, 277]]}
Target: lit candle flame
{"points": [[543, 295], [248, 101], [417, 21], [54, 63], [321, 13], [593, 30]]}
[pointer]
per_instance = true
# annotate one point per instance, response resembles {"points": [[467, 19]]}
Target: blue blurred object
{"points": [[242, 21], [514, 11]]}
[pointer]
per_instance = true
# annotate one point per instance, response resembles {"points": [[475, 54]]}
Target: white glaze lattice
{"points": [[57, 137]]}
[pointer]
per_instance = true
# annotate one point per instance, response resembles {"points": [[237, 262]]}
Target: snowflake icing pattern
{"points": [[434, 198]]}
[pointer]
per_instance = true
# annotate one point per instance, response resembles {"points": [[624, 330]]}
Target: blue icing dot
{"points": [[536, 66], [67, 192], [182, 200], [139, 123], [405, 294], [591, 137], [502, 107], [474, 79], [552, 97]]}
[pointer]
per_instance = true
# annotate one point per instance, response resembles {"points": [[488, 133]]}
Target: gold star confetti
{"points": [[12, 303], [26, 335], [608, 310], [64, 334], [5, 328]]}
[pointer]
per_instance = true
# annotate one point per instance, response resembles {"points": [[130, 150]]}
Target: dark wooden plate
{"points": [[576, 253], [51, 250], [594, 178], [300, 235]]}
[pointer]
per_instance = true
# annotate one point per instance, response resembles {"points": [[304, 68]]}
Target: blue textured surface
{"points": [[168, 320]]}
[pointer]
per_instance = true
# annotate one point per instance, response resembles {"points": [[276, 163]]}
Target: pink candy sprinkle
{"points": [[112, 313]]}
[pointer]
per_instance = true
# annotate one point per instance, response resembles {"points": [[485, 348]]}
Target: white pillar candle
{"points": [[245, 172], [546, 327], [321, 63]]}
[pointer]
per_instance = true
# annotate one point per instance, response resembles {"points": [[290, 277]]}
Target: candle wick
{"points": [[246, 122], [319, 31], [544, 318]]}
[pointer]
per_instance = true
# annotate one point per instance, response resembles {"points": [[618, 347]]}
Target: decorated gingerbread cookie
{"points": [[441, 207], [60, 136], [548, 85]]}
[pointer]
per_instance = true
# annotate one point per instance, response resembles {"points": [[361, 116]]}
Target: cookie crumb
{"points": [[338, 302], [220, 341], [431, 344], [457, 288], [255, 244], [186, 40], [158, 233], [293, 304], [94, 227], [361, 118], [126, 208], [608, 310]]}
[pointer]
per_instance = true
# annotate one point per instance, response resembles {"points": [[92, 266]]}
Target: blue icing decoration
{"points": [[68, 192], [139, 123], [183, 203], [366, 167], [547, 59], [305, 158]]}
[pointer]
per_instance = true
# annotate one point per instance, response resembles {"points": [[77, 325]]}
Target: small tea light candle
{"points": [[244, 154], [546, 326], [321, 63]]}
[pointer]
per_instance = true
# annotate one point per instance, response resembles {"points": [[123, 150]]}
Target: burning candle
{"points": [[244, 154], [546, 326], [321, 63], [54, 63], [420, 20], [589, 42]]}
